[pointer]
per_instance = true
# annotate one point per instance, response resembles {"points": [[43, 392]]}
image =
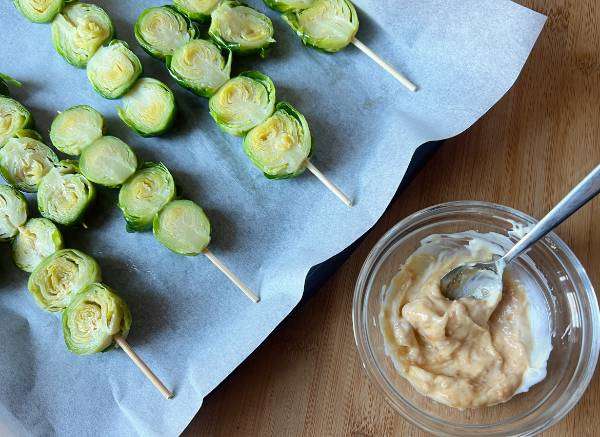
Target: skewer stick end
{"points": [[407, 83], [231, 276], [330, 185], [168, 394]]}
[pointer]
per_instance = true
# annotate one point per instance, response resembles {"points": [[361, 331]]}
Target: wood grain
{"points": [[541, 139]]}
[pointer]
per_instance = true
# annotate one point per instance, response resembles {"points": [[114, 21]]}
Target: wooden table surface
{"points": [[535, 144]]}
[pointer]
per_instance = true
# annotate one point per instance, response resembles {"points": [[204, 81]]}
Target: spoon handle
{"points": [[577, 197]]}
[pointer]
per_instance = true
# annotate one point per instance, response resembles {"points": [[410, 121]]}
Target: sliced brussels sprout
{"points": [[200, 67], [79, 30], [243, 102], [37, 240], [13, 118], [76, 128], [144, 194], [162, 29], [5, 81], [288, 5], [241, 29], [107, 161], [39, 11], [93, 319], [149, 107], [329, 25], [198, 10], [65, 194], [182, 227], [13, 212], [113, 69], [60, 276], [281, 144], [25, 161]]}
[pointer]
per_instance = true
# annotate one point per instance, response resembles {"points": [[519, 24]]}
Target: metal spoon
{"points": [[482, 280]]}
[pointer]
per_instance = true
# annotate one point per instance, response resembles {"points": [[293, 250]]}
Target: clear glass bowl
{"points": [[569, 295]]}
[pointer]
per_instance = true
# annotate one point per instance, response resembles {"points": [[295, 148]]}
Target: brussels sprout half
{"points": [[64, 194], [144, 194], [281, 144], [76, 128], [59, 277], [13, 118], [288, 5], [79, 30], [38, 239], [25, 161], [243, 102], [5, 81], [198, 10], [329, 25], [93, 319], [39, 11], [149, 107], [13, 212], [241, 29], [107, 161], [182, 227], [200, 67], [113, 69], [162, 29]]}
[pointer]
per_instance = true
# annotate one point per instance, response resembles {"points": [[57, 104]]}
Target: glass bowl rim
{"points": [[409, 411]]}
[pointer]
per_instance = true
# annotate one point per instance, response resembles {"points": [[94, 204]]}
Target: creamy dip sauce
{"points": [[466, 353]]}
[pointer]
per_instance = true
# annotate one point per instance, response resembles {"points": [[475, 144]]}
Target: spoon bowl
{"points": [[484, 280], [481, 280]]}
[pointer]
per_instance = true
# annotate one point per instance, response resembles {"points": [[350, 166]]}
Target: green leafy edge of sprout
{"points": [[5, 81], [281, 6]]}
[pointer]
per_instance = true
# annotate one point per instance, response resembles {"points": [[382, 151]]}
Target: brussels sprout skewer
{"points": [[96, 320], [281, 146], [182, 227], [330, 25]]}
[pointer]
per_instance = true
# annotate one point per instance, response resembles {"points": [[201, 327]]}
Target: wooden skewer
{"points": [[330, 185], [387, 67], [168, 394], [232, 276]]}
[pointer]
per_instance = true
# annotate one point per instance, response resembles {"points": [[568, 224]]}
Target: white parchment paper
{"points": [[189, 323]]}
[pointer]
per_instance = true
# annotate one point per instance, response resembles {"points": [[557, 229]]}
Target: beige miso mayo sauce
{"points": [[467, 353]]}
